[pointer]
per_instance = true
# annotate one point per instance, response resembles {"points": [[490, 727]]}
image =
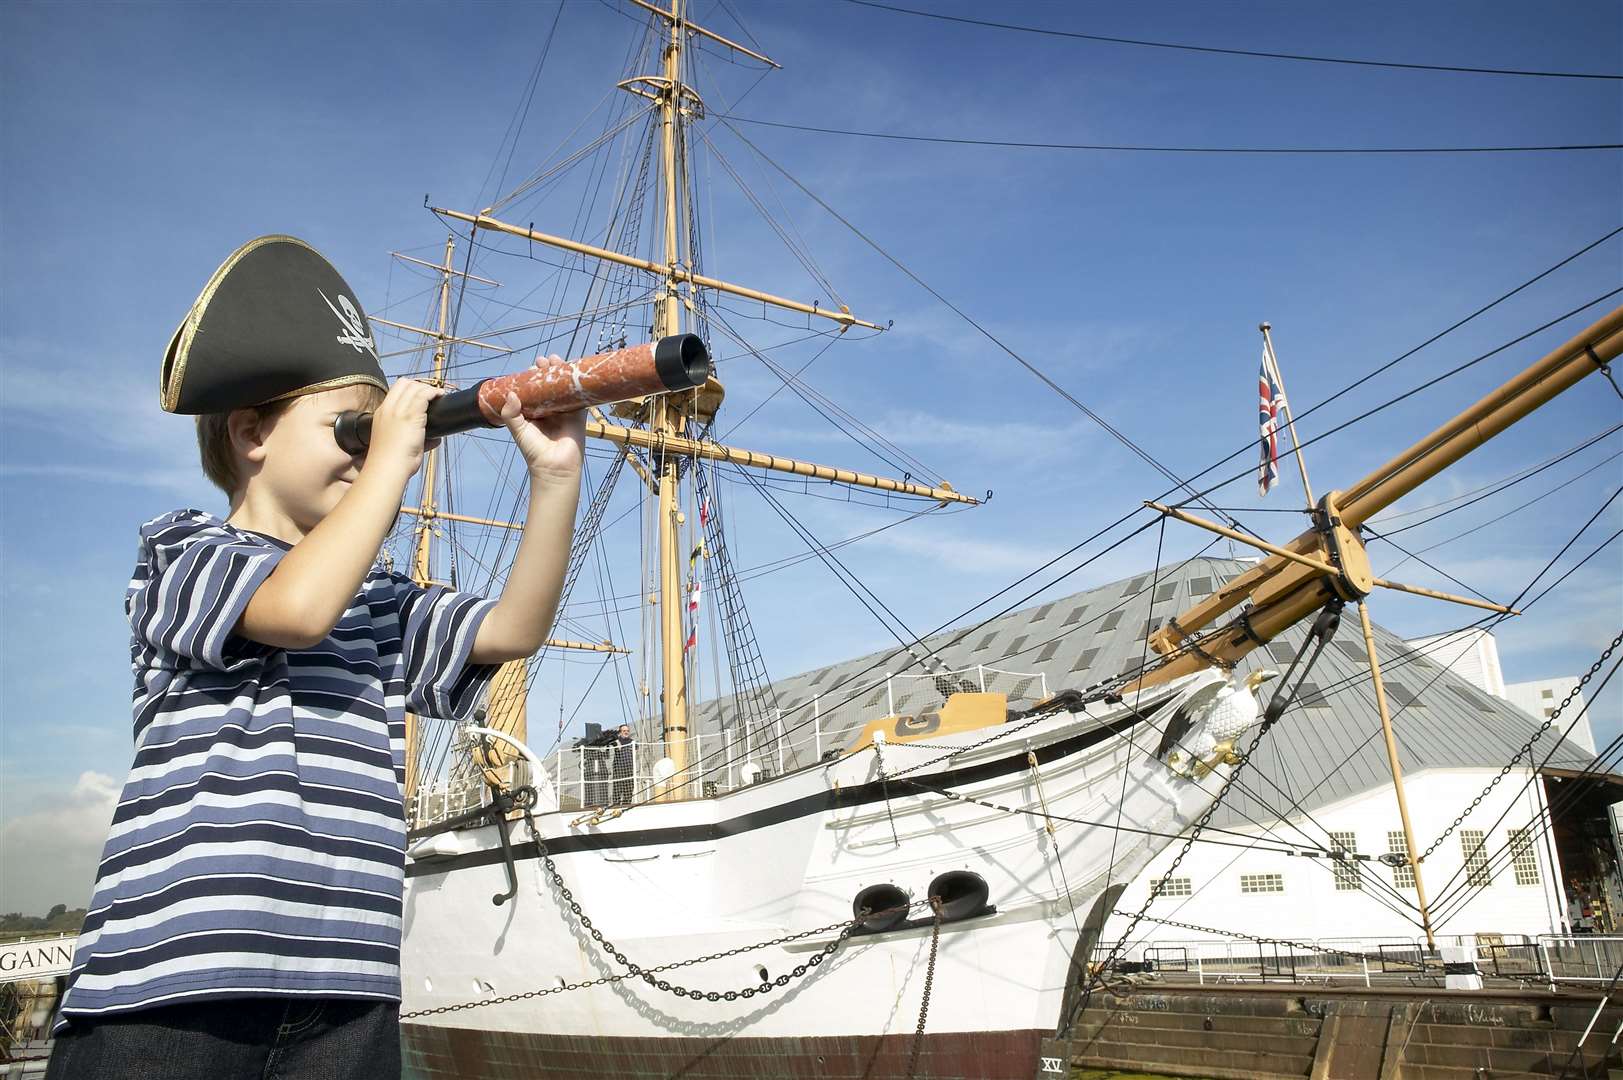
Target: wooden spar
{"points": [[672, 272], [435, 334], [682, 446], [1319, 564], [1397, 770], [1283, 591], [586, 646], [422, 546], [702, 32], [436, 267]]}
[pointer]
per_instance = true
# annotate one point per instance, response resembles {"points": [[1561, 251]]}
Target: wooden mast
{"points": [[423, 538], [667, 421], [665, 438]]}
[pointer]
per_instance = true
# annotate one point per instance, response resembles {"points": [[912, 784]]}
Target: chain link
{"points": [[1268, 721], [1305, 946], [929, 980], [651, 975], [1527, 750]]}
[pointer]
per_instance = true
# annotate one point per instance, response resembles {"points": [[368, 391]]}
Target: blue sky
{"points": [[142, 142]]}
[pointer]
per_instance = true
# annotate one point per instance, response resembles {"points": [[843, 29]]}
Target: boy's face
{"points": [[300, 465]]}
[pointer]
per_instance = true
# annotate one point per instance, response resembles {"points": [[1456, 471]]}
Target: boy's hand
{"points": [[553, 446], [399, 427]]}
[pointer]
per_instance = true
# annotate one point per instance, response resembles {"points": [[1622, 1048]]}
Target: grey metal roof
{"points": [[1327, 747]]}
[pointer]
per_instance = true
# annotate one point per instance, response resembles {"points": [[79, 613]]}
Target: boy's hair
{"points": [[219, 458], [214, 448]]}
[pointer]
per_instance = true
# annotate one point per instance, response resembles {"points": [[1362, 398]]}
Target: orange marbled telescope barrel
{"points": [[678, 362]]}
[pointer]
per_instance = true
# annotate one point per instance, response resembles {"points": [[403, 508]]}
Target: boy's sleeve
{"points": [[193, 579], [437, 630]]}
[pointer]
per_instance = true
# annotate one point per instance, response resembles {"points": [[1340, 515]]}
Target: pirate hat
{"points": [[276, 320]]}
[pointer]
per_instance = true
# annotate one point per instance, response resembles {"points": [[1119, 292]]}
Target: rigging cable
{"points": [[1183, 47], [1022, 361], [1126, 148]]}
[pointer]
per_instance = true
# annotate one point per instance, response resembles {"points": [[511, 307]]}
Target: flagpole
{"points": [[1290, 419]]}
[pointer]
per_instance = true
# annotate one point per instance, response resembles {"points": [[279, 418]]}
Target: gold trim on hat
{"points": [[331, 384]]}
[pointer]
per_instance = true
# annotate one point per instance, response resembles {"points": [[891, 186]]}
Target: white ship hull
{"points": [[674, 881]]}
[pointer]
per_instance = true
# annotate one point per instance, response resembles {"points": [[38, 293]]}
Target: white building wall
{"points": [[1471, 654], [1539, 698], [1312, 908]]}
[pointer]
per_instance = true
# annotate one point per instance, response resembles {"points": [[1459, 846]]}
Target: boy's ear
{"points": [[247, 430]]}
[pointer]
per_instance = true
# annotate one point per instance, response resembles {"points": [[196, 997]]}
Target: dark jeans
{"points": [[246, 1039]]}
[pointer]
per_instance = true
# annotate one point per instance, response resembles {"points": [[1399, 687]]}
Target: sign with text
{"points": [[41, 958]]}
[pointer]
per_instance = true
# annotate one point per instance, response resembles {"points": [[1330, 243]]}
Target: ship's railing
{"points": [[799, 734], [1385, 959]]}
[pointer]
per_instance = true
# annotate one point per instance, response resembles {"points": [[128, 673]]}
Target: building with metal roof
{"points": [[1320, 781]]}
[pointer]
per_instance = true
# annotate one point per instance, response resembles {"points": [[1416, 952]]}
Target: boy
{"points": [[246, 915]]}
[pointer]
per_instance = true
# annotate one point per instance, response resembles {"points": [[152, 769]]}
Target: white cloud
{"points": [[49, 855]]}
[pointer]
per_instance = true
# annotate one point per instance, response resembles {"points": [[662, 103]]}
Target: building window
{"points": [[1402, 875], [1174, 886], [1165, 592], [1547, 694], [1135, 585], [1309, 696], [1523, 860], [1085, 659], [1261, 883], [1349, 875], [1477, 873], [1112, 621], [1042, 612], [985, 641], [1281, 651], [1150, 627], [1479, 702], [1200, 586], [1018, 644], [1048, 652], [1075, 616]]}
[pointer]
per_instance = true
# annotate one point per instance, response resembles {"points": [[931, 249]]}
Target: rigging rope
{"points": [[1127, 148], [1307, 58]]}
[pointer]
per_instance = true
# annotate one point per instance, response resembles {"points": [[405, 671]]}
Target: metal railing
{"points": [[733, 758], [1520, 958], [1581, 957]]}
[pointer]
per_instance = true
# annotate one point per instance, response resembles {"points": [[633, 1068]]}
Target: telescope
{"points": [[678, 362]]}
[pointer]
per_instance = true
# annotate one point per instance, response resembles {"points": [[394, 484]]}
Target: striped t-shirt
{"points": [[259, 844]]}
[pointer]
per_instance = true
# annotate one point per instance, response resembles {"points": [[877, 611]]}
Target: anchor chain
{"points": [[1527, 749], [929, 980], [1324, 627], [650, 975]]}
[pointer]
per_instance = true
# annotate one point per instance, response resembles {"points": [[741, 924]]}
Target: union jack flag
{"points": [[1270, 414]]}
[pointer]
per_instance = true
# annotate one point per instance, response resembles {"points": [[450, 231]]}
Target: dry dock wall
{"points": [[1261, 1033]]}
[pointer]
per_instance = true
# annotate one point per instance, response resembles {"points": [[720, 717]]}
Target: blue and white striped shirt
{"points": [[259, 844]]}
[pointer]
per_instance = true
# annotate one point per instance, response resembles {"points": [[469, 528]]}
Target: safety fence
{"points": [[606, 773], [1522, 959]]}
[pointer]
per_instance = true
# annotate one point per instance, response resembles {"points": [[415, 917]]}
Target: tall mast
{"points": [[423, 540], [667, 421], [665, 438]]}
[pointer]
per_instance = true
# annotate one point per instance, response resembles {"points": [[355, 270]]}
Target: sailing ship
{"points": [[919, 896]]}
